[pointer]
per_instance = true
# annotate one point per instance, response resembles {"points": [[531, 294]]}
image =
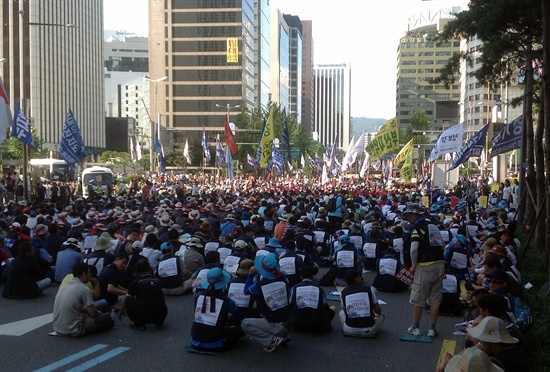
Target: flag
{"points": [[401, 155], [277, 159], [365, 166], [139, 155], [286, 138], [267, 139], [302, 161], [359, 147], [205, 146], [133, 154], [5, 112], [472, 148], [20, 128], [186, 154], [229, 136], [220, 154], [229, 161], [324, 175], [385, 141], [251, 161], [406, 168], [347, 157], [449, 141], [71, 148], [160, 150], [332, 154], [509, 138]]}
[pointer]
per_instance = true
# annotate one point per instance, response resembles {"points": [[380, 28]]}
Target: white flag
{"points": [[365, 166], [324, 175], [346, 161], [359, 147], [449, 141], [138, 149], [186, 152]]}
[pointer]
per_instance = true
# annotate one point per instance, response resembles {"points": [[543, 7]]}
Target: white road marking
{"points": [[21, 327]]}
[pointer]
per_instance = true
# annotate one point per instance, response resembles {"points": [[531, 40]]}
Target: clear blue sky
{"points": [[364, 33]]}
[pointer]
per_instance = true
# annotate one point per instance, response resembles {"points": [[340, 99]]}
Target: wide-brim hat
{"points": [[472, 359], [40, 229], [240, 244], [218, 277], [184, 238], [492, 330], [244, 267], [72, 242], [165, 220], [413, 208], [194, 242], [274, 243], [489, 244], [77, 222], [267, 266], [499, 251], [101, 244], [151, 230]]}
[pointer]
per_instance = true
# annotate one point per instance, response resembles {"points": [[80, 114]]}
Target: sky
{"points": [[363, 33]]}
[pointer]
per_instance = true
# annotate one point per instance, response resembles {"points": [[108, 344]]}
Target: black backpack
{"points": [[331, 205]]}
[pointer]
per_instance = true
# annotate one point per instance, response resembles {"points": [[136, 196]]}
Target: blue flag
{"points": [[71, 148], [276, 160], [229, 161], [286, 138], [20, 128], [220, 154], [205, 146], [509, 138], [472, 148], [160, 150], [251, 161]]}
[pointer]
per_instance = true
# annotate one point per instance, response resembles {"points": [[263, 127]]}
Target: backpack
{"points": [[522, 315], [331, 205]]}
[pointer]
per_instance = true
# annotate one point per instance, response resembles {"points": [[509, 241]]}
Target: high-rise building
{"points": [[262, 37], [295, 66], [419, 61], [53, 52], [332, 104], [280, 60], [206, 51], [307, 76]]}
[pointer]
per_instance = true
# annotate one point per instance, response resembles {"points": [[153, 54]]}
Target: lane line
{"points": [[21, 327], [448, 346], [100, 359], [71, 358]]}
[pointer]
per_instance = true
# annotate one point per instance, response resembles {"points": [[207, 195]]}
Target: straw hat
{"points": [[492, 330], [471, 360]]}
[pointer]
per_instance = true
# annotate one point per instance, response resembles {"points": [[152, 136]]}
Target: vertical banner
{"points": [[267, 139], [232, 50]]}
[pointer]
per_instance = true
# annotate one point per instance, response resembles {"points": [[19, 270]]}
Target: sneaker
{"points": [[276, 341], [432, 333], [138, 327], [414, 331], [286, 340]]}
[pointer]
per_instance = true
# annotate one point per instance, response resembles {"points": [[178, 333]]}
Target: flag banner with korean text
{"points": [[449, 141], [71, 148], [220, 154], [509, 138], [286, 138], [406, 168], [472, 148], [402, 155], [5, 112], [204, 144], [160, 150], [229, 162], [268, 136], [251, 161], [277, 159], [385, 141], [20, 128], [229, 136]]}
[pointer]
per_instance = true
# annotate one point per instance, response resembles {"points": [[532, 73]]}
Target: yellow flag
{"points": [[406, 169], [385, 141], [400, 157], [267, 139]]}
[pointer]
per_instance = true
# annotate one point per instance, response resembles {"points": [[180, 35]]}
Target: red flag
{"points": [[230, 137]]}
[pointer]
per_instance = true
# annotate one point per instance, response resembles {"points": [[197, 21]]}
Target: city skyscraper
{"points": [[53, 54], [207, 55], [295, 65], [280, 60], [262, 37], [308, 78], [332, 104]]}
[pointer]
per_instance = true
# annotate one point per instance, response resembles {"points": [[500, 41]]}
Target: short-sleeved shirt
{"points": [[70, 301], [66, 259], [109, 275]]}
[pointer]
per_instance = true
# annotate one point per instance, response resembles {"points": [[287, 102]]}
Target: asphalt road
{"points": [[124, 349]]}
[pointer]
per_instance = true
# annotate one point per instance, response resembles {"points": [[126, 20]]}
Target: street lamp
{"points": [[152, 129]]}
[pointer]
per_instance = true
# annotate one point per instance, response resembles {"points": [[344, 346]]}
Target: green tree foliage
{"points": [[15, 148], [420, 123], [115, 156]]}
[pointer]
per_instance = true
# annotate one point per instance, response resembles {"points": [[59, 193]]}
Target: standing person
{"points": [[428, 267], [266, 283], [361, 315], [144, 302], [336, 217], [74, 313]]}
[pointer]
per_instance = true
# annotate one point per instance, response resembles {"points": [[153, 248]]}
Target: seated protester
{"points": [[303, 249], [109, 280], [144, 303], [470, 359], [98, 257], [216, 323], [495, 340], [396, 242], [174, 278], [457, 257], [310, 303], [193, 256], [334, 244], [374, 247], [133, 250], [231, 262], [507, 241], [498, 283], [269, 286], [149, 250], [69, 256], [505, 261], [347, 257], [74, 313], [24, 279], [93, 286], [173, 238], [5, 260], [271, 247], [228, 225], [386, 268], [357, 236], [235, 291], [43, 259], [473, 228], [212, 260], [361, 316], [291, 263]]}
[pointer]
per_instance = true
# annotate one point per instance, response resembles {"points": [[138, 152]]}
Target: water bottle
{"points": [[113, 315]]}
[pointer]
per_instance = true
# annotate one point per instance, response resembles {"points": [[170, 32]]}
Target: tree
{"points": [[419, 128], [115, 155], [15, 148]]}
